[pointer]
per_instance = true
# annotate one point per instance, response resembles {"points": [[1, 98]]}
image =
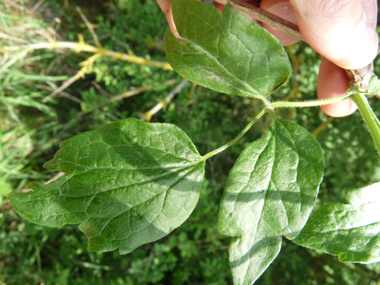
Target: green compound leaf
{"points": [[225, 52], [129, 183], [269, 193], [350, 231]]}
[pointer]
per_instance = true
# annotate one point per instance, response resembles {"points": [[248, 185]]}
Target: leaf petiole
{"points": [[238, 137], [314, 103]]}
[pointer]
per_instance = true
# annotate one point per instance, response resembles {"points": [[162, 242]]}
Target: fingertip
{"points": [[333, 82], [341, 109], [284, 10], [218, 6], [170, 20], [339, 30], [166, 7]]}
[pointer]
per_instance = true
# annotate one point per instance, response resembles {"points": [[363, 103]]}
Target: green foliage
{"points": [[349, 231], [194, 253], [270, 192], [5, 188], [374, 85], [130, 183], [231, 55], [24, 120], [32, 253], [250, 252]]}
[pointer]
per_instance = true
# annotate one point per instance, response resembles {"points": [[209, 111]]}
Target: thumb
{"points": [[343, 31]]}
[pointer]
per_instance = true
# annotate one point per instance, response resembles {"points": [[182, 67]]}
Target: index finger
{"points": [[165, 6]]}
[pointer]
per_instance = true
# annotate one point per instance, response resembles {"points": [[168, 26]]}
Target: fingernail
{"points": [[283, 10]]}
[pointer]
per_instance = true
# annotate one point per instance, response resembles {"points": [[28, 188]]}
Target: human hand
{"points": [[342, 31]]}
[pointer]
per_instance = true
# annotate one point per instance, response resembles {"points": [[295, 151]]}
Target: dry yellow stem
{"points": [[81, 46]]}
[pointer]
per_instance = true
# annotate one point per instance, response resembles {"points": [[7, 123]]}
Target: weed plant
{"points": [[31, 130]]}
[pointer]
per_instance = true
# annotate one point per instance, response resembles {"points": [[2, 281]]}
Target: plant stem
{"points": [[81, 46], [238, 137], [369, 117], [376, 119], [287, 104]]}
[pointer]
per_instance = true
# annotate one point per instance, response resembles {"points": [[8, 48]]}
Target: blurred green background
{"points": [[31, 129]]}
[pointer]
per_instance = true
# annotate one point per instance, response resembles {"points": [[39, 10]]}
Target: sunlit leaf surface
{"points": [[269, 193], [128, 183]]}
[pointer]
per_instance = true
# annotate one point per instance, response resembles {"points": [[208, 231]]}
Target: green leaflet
{"points": [[269, 193], [350, 231], [129, 183], [227, 53], [374, 85]]}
